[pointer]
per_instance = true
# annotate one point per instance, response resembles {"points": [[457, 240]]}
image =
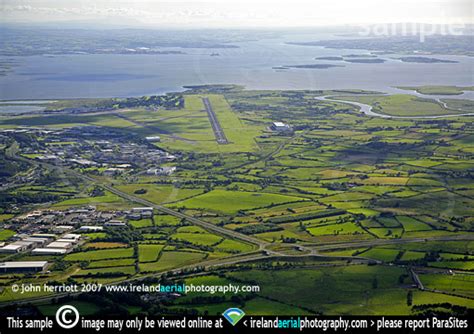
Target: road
{"points": [[383, 242], [216, 126]]}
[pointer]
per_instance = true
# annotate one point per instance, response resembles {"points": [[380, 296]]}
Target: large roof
{"points": [[23, 264]]}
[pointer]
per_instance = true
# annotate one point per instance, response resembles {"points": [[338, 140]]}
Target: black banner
{"points": [[68, 319]]}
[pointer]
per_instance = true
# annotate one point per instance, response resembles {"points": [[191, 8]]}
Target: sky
{"points": [[234, 13]]}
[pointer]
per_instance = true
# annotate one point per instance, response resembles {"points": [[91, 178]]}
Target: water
{"points": [[76, 76]]}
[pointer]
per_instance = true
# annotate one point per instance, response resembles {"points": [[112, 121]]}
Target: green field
{"points": [[170, 260], [100, 254], [149, 253], [235, 201]]}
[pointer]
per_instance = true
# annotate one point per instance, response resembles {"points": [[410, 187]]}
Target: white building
{"points": [[60, 244], [25, 266], [49, 251], [280, 126], [153, 138], [72, 236], [88, 228], [12, 248]]}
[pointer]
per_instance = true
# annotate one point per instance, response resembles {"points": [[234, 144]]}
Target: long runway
{"points": [[216, 126]]}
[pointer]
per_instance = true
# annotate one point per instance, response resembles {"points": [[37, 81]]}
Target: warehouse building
{"points": [[49, 251], [59, 244], [25, 266]]}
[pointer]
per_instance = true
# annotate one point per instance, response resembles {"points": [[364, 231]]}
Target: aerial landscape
{"points": [[318, 171]]}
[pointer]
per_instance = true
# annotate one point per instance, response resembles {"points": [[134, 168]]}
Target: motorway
{"points": [[216, 126]]}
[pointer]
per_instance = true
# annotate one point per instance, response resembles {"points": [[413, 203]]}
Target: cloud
{"points": [[235, 13]]}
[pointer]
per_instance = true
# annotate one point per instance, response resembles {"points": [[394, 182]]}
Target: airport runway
{"points": [[216, 126]]}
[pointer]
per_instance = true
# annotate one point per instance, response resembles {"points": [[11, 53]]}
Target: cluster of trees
{"points": [[124, 234], [259, 228], [23, 198], [170, 101]]}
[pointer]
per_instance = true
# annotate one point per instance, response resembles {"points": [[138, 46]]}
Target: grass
{"points": [[339, 290], [386, 255], [458, 284], [335, 229], [141, 223], [438, 90], [411, 224], [235, 201], [100, 254], [125, 270], [228, 245], [107, 198], [159, 193], [149, 253], [111, 263], [198, 133], [104, 245], [169, 260], [6, 234], [197, 238], [84, 308], [461, 265]]}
